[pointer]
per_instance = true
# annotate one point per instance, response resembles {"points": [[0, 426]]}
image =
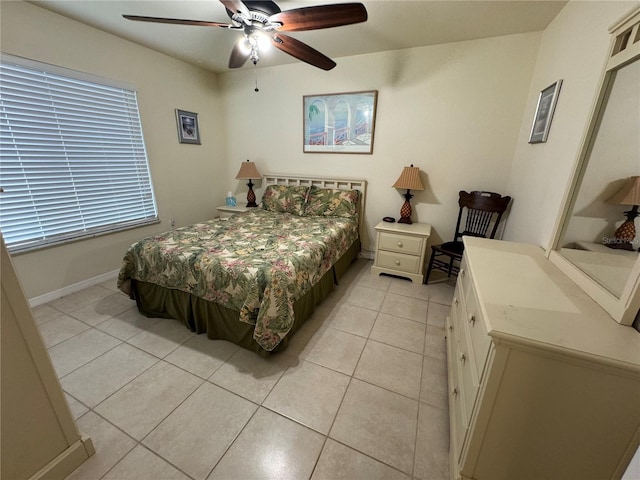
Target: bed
{"points": [[255, 277]]}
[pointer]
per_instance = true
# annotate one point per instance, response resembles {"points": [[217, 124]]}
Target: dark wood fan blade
{"points": [[321, 16], [176, 21], [236, 6], [238, 56], [302, 51]]}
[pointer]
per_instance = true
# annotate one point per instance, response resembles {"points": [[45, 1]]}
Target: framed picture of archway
{"points": [[339, 122]]}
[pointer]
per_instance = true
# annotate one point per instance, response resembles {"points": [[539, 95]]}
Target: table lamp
{"points": [[409, 179], [248, 171], [629, 194]]}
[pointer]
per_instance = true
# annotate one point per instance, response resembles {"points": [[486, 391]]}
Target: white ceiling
{"points": [[392, 24]]}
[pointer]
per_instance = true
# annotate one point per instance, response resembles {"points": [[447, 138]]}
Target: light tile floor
{"points": [[361, 392]]}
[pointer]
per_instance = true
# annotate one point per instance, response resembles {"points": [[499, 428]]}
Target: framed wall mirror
{"points": [[590, 244]]}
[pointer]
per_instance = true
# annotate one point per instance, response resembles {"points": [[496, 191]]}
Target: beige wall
{"points": [[574, 48], [460, 111], [187, 179], [453, 110]]}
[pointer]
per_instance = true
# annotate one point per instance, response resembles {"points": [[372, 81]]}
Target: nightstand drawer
{"points": [[400, 243], [400, 250], [398, 261]]}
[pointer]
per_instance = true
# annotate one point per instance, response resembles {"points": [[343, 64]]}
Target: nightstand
{"points": [[400, 250], [226, 212]]}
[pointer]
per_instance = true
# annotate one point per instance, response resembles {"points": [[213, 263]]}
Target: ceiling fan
{"points": [[263, 21]]}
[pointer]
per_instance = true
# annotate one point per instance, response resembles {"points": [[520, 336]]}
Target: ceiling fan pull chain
{"points": [[255, 68]]}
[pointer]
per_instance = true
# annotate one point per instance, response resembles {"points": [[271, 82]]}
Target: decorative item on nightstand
{"points": [[409, 179], [230, 200], [629, 194], [248, 171]]}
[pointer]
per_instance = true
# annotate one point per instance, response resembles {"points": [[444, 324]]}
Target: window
{"points": [[72, 158]]}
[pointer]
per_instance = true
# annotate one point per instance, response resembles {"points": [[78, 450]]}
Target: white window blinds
{"points": [[72, 158]]}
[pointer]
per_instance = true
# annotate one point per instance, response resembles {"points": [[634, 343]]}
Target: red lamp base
{"points": [[251, 196], [625, 233], [405, 211], [623, 236]]}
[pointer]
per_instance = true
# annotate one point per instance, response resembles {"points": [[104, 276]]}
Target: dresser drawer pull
{"points": [[472, 319], [400, 244], [451, 327], [462, 272], [463, 357], [454, 392], [455, 300], [398, 262]]}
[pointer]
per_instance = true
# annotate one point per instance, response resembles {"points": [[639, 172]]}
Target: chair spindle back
{"points": [[481, 208]]}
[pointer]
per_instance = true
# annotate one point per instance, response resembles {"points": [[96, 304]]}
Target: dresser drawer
{"points": [[452, 325], [464, 276], [457, 306], [459, 428], [398, 261], [400, 243], [458, 424], [480, 340], [468, 377]]}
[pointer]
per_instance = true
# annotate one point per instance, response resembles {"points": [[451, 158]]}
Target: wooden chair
{"points": [[479, 210]]}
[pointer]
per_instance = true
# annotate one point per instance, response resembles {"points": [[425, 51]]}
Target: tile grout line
{"points": [[415, 441], [327, 436]]}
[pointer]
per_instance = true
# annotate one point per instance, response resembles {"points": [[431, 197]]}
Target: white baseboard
{"points": [[76, 287], [65, 463]]}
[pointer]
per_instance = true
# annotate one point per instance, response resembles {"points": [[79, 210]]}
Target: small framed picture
{"points": [[188, 131], [544, 113]]}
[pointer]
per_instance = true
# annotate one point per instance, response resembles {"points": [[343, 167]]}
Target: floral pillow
{"points": [[329, 202], [285, 198]]}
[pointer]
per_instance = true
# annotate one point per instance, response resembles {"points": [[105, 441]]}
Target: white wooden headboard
{"points": [[322, 182]]}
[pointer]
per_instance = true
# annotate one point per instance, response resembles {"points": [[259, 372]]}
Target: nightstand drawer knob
{"points": [[400, 244], [398, 262], [472, 320], [463, 358]]}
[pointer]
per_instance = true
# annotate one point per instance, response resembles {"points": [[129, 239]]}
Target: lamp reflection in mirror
{"points": [[625, 234], [248, 171], [409, 179]]}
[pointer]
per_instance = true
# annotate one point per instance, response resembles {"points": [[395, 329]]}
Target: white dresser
{"points": [[400, 249], [543, 384]]}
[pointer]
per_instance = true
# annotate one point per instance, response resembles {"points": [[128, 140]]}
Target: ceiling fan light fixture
{"points": [[245, 45], [263, 40]]}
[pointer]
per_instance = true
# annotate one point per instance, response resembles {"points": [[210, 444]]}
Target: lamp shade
{"points": [[409, 179], [248, 171], [629, 194]]}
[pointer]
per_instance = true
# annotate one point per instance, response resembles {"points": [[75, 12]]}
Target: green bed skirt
{"points": [[222, 323]]}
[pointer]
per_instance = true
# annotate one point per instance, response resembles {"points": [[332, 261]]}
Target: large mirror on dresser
{"points": [[590, 243]]}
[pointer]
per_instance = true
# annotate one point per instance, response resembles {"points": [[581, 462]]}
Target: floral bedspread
{"points": [[258, 263]]}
